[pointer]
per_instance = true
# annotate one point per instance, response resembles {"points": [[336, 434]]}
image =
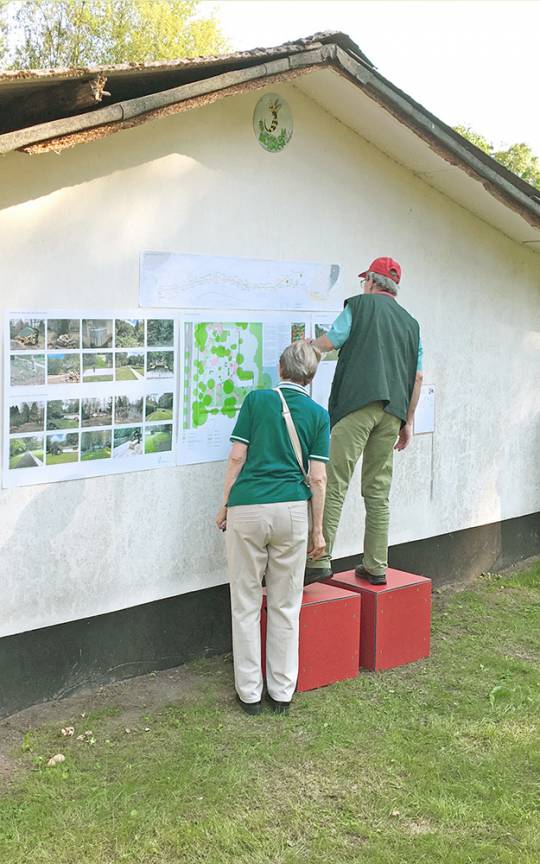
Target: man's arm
{"points": [[236, 461], [337, 335], [317, 478], [406, 431], [322, 343]]}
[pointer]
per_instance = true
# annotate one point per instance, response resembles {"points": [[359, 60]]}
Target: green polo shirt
{"points": [[271, 473]]}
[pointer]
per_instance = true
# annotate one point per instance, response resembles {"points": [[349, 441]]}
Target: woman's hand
{"points": [[316, 545], [221, 518]]}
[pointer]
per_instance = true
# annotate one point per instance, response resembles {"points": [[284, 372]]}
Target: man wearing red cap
{"points": [[372, 403]]}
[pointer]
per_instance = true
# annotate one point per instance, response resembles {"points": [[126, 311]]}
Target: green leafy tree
{"points": [[160, 332], [67, 33], [166, 401], [519, 158], [3, 27]]}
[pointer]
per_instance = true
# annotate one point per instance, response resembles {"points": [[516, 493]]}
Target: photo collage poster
{"points": [[88, 395]]}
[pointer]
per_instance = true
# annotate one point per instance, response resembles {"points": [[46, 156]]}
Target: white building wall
{"points": [[71, 230]]}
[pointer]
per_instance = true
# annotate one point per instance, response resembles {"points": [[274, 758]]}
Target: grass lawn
{"points": [[159, 414], [64, 423], [124, 373], [437, 762], [158, 442], [60, 458], [102, 453], [91, 378]]}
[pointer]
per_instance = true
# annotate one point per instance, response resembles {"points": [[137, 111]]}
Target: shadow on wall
{"points": [[43, 174]]}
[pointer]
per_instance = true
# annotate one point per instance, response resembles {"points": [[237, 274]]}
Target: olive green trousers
{"points": [[372, 432]]}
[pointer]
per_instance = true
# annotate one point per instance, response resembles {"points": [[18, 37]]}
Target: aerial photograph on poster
{"points": [[27, 371], [322, 330], [160, 333], [127, 442], [128, 410], [97, 333], [158, 439], [129, 332], [27, 334], [96, 445], [63, 333], [97, 412], [129, 366], [160, 364], [62, 447], [97, 367], [159, 406], [26, 416], [63, 414], [26, 452], [63, 369]]}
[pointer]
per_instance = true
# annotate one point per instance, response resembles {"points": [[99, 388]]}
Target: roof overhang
{"points": [[334, 73]]}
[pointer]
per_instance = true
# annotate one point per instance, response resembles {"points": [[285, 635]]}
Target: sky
{"points": [[470, 62]]}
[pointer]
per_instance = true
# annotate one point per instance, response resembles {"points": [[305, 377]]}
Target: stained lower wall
{"points": [[55, 661]]}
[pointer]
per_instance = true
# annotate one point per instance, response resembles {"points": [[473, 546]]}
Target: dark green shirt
{"points": [[271, 473]]}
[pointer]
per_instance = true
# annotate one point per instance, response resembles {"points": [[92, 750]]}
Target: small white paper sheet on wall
{"points": [[424, 418]]}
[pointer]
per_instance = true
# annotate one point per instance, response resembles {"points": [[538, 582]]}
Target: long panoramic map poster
{"points": [[88, 394], [176, 280]]}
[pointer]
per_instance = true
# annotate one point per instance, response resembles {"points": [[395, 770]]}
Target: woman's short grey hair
{"points": [[383, 282], [299, 362]]}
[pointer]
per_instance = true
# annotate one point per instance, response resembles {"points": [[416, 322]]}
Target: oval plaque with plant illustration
{"points": [[272, 122]]}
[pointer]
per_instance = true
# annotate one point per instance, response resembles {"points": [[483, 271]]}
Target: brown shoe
{"points": [[362, 573]]}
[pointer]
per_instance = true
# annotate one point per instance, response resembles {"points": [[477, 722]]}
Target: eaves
{"points": [[500, 183]]}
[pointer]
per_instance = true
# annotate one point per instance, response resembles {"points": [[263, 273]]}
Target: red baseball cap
{"points": [[385, 267]]}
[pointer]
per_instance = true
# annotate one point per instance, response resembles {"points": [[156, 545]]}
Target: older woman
{"points": [[265, 513]]}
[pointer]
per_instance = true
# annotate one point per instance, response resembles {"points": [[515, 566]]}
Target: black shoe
{"points": [[316, 574], [365, 574], [251, 708], [279, 707]]}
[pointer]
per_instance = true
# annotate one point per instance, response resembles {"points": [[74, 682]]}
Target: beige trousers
{"points": [[266, 540]]}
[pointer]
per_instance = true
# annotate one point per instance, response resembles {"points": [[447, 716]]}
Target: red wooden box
{"points": [[395, 618], [329, 636]]}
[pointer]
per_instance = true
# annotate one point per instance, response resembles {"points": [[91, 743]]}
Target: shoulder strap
{"points": [[293, 434]]}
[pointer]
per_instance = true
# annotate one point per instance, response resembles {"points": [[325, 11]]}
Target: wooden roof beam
{"points": [[52, 103]]}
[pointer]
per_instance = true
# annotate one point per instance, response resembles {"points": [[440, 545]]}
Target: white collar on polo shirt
{"points": [[294, 386]]}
